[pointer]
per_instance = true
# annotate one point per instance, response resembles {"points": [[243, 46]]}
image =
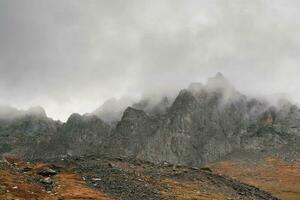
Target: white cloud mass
{"points": [[71, 55]]}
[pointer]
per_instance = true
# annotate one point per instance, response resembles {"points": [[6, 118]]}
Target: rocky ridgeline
{"points": [[203, 124]]}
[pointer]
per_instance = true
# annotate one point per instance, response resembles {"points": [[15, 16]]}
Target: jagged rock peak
{"points": [[184, 93], [132, 114], [185, 99], [75, 118]]}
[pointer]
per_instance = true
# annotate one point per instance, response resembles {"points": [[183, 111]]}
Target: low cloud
{"points": [[71, 55]]}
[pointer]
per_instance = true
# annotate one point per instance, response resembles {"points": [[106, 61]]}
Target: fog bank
{"points": [[72, 55]]}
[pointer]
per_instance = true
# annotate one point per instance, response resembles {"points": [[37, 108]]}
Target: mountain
{"points": [[82, 134], [111, 111], [203, 124], [21, 132]]}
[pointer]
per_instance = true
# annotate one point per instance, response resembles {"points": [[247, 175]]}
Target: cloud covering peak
{"points": [[72, 55]]}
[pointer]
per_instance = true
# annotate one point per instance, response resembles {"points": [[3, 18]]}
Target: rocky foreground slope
{"points": [[100, 178], [203, 124]]}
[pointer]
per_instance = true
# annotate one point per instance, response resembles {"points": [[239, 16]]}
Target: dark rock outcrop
{"points": [[83, 134], [80, 135], [131, 133], [24, 131]]}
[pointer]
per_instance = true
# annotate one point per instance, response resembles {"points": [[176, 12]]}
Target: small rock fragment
{"points": [[47, 172], [206, 169], [47, 181], [111, 164], [26, 169], [96, 179]]}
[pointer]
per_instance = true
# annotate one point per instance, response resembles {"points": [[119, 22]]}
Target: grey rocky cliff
{"points": [[24, 131], [33, 135], [83, 134], [205, 123], [80, 135], [131, 133], [195, 130]]}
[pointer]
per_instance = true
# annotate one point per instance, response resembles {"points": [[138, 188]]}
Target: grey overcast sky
{"points": [[71, 55]]}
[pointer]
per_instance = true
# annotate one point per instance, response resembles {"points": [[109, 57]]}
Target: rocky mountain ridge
{"points": [[203, 124]]}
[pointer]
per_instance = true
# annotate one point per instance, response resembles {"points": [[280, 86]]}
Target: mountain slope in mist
{"points": [[203, 124]]}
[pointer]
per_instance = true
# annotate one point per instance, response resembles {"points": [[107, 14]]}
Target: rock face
{"points": [[198, 128], [131, 133], [23, 131], [204, 123], [80, 135], [37, 136], [83, 134]]}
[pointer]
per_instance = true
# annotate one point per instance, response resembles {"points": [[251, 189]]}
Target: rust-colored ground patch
{"points": [[187, 191], [15, 183], [72, 187], [72, 179], [274, 175]]}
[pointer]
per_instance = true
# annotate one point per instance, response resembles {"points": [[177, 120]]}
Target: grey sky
{"points": [[70, 55]]}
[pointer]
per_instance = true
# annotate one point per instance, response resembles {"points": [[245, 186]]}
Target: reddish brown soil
{"points": [[187, 191], [274, 175], [17, 184], [72, 187], [107, 179]]}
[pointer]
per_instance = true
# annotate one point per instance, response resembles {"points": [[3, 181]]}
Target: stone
{"points": [[46, 181], [47, 172], [206, 169], [26, 169]]}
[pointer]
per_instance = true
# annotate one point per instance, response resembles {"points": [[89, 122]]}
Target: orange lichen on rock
{"points": [[274, 175]]}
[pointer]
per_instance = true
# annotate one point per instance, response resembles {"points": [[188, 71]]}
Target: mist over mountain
{"points": [[8, 112], [202, 124], [149, 99], [72, 56], [112, 109]]}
